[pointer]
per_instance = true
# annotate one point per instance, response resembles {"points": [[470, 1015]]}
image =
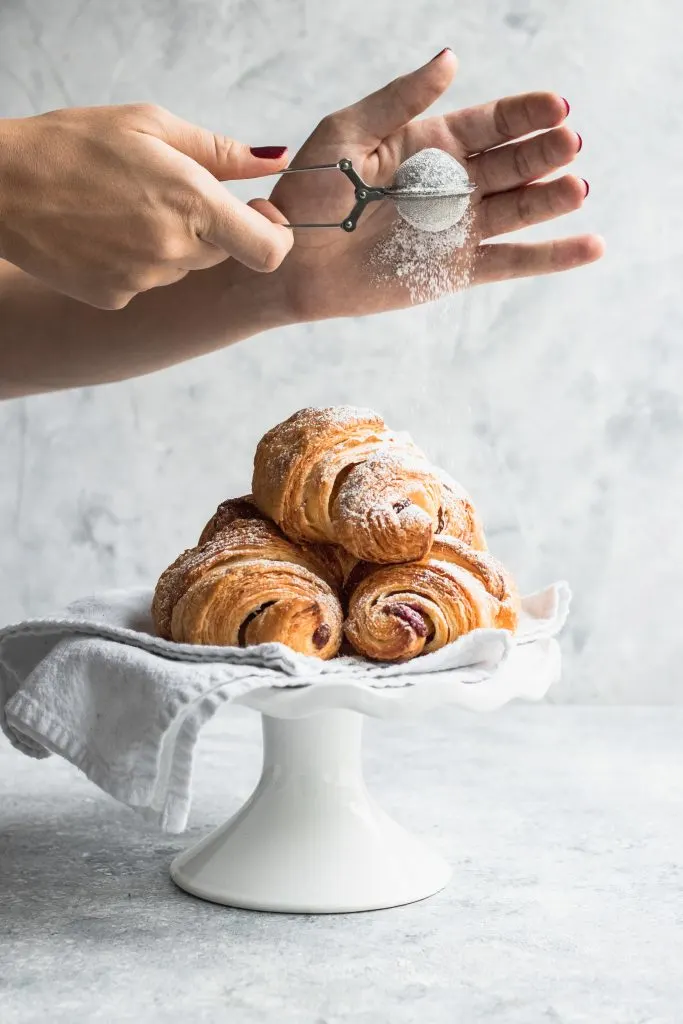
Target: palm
{"points": [[326, 273]]}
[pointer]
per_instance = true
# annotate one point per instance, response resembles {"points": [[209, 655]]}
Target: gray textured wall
{"points": [[556, 401]]}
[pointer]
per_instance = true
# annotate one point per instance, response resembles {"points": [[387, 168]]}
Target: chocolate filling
{"points": [[411, 616], [242, 637], [399, 506], [321, 635]]}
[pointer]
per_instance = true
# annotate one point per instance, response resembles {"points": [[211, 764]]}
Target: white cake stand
{"points": [[311, 839]]}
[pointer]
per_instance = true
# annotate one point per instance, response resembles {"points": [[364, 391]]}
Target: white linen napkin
{"points": [[95, 686]]}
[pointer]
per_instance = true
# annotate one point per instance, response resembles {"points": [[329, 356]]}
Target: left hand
{"points": [[326, 272]]}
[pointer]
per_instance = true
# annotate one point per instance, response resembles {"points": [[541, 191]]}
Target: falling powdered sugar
{"points": [[429, 264], [430, 250]]}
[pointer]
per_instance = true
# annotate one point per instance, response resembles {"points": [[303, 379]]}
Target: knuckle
{"points": [[402, 96], [190, 204], [329, 125], [554, 202], [143, 117], [521, 162], [171, 248], [130, 281], [528, 114], [112, 299], [502, 123], [526, 208], [486, 221], [146, 113], [141, 280], [223, 147]]}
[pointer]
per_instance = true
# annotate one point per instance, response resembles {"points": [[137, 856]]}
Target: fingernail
{"points": [[441, 52], [566, 103], [580, 143], [268, 152], [588, 188]]}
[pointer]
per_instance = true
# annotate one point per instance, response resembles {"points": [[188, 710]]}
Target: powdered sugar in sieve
{"points": [[432, 170]]}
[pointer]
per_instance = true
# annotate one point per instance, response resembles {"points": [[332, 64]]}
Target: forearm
{"points": [[50, 342]]}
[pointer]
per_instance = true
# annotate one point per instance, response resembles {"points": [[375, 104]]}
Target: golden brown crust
{"points": [[459, 517], [401, 611], [248, 585], [227, 512], [340, 476], [332, 563]]}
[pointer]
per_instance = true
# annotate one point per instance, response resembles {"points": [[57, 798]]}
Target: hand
{"points": [[102, 203], [326, 274]]}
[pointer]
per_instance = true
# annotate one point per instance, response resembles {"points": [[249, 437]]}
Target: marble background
{"points": [[556, 401]]}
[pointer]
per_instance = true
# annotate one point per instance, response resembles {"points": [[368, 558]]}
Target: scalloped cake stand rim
{"points": [[528, 673]]}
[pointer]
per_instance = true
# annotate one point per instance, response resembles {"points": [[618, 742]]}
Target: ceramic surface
{"points": [[311, 839]]}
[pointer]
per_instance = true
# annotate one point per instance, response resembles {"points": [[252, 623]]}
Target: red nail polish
{"points": [[268, 152], [588, 188], [580, 143], [566, 103], [441, 53]]}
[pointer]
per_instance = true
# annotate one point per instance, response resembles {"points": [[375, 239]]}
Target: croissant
{"points": [[246, 584], [332, 563], [339, 475], [398, 612]]}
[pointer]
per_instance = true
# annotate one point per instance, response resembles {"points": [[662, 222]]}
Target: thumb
{"points": [[397, 103], [225, 158]]}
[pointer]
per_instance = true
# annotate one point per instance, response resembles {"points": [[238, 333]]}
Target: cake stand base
{"points": [[311, 840]]}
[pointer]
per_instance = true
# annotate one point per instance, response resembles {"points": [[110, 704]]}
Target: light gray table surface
{"points": [[564, 826]]}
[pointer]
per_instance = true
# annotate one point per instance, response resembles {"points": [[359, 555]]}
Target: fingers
{"points": [[217, 222], [492, 124], [391, 107], [203, 256], [225, 158], [521, 162], [502, 262], [268, 209], [503, 212], [243, 232]]}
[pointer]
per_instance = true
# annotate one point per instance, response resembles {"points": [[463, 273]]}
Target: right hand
{"points": [[101, 203]]}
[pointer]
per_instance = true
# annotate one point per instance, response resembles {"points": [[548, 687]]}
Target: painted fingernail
{"points": [[268, 152], [446, 49], [588, 188], [566, 103], [580, 142]]}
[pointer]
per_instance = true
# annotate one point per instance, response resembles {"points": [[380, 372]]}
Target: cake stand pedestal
{"points": [[311, 839]]}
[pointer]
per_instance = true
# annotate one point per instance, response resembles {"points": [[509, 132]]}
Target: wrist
{"points": [[262, 299], [10, 163]]}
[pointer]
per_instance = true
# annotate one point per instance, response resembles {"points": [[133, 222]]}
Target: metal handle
{"points": [[313, 167], [368, 193], [364, 193]]}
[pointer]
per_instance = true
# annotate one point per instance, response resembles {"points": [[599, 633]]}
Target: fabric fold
{"points": [[96, 687]]}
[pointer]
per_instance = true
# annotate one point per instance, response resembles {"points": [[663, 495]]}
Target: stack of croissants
{"points": [[350, 542]]}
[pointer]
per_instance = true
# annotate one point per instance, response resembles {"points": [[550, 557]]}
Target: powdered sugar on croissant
{"points": [[329, 561], [339, 476], [247, 584], [400, 611]]}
